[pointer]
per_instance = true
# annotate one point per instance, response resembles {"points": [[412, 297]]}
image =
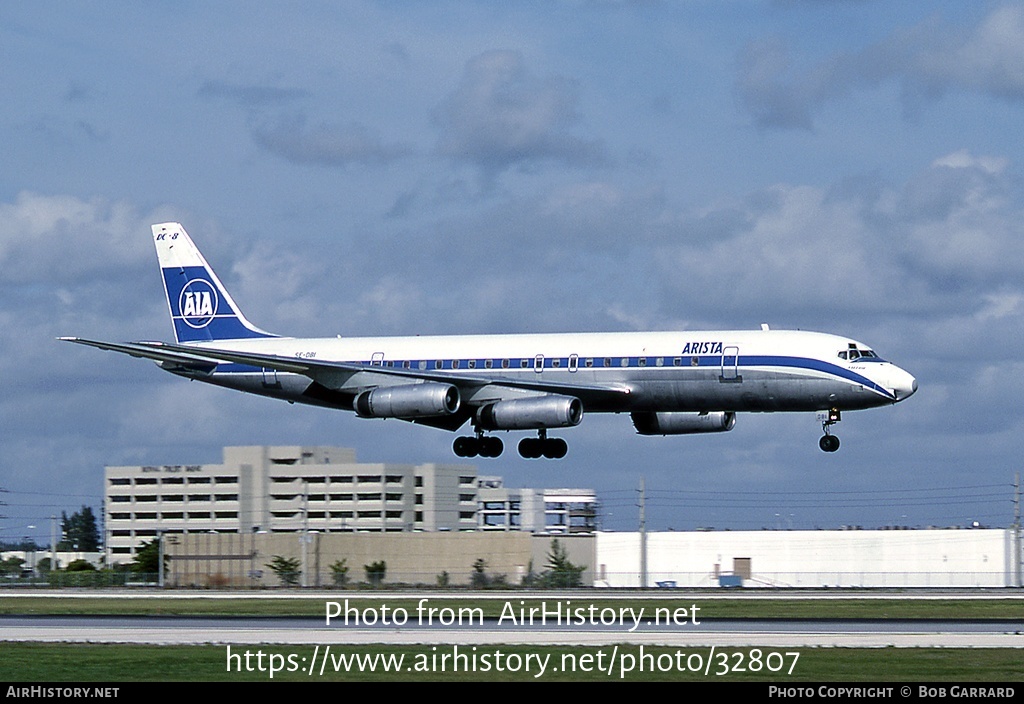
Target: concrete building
{"points": [[284, 489], [818, 558], [553, 511], [939, 558], [426, 559]]}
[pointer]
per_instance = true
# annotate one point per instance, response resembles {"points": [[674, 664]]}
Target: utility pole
{"points": [[53, 541], [1017, 577], [643, 535], [304, 539]]}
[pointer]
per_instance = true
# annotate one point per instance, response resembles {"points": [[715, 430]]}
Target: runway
{"points": [[292, 631], [689, 632]]}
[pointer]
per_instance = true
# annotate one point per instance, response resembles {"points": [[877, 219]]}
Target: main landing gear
{"points": [[829, 442], [529, 448], [482, 445], [551, 448]]}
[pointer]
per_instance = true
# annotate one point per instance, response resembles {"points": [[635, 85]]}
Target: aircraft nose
{"points": [[903, 384]]}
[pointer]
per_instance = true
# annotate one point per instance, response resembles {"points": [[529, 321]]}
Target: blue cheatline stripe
{"points": [[515, 364]]}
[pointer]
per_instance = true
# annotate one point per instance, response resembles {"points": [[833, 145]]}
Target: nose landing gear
{"points": [[829, 442]]}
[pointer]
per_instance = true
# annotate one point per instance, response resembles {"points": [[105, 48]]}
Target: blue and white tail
{"points": [[201, 309]]}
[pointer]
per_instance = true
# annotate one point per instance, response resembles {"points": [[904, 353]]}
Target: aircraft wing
{"points": [[333, 374]]}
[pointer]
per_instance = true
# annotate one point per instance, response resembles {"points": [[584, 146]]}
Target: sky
{"points": [[394, 168]]}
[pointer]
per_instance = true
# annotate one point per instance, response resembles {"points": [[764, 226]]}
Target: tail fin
{"points": [[201, 309]]}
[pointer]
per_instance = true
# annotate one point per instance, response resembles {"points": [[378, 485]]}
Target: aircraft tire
{"points": [[828, 443], [465, 447], [491, 447], [555, 448], [530, 448]]}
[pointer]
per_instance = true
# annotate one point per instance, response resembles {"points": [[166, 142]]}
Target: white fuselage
{"points": [[762, 370]]}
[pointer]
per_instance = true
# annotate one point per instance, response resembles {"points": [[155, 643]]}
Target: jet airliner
{"points": [[671, 383]]}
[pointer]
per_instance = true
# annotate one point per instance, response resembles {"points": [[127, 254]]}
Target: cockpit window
{"points": [[853, 354]]}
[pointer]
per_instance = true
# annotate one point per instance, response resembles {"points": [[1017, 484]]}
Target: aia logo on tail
{"points": [[197, 303]]}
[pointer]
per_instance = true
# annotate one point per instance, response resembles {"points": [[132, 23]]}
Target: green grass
{"points": [[33, 662]]}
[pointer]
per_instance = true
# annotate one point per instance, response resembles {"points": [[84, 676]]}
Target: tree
{"points": [[12, 565], [479, 579], [79, 531], [147, 558], [286, 569], [375, 572], [339, 572], [80, 566], [561, 572]]}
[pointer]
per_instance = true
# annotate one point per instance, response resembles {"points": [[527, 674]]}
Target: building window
{"points": [[369, 479], [120, 481], [467, 515], [225, 480]]}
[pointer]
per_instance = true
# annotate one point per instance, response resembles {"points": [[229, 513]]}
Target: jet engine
{"points": [[531, 413], [683, 423], [408, 401]]}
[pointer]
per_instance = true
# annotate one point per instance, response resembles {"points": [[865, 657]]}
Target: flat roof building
{"points": [[284, 489], [535, 510]]}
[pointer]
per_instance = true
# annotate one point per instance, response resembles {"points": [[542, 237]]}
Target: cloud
{"points": [[501, 115], [946, 244], [927, 61], [61, 239], [325, 144]]}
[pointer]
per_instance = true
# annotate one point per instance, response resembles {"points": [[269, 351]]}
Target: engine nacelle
{"points": [[683, 423], [408, 401], [531, 413]]}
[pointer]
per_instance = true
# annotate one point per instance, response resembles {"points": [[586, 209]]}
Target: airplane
{"points": [[671, 383]]}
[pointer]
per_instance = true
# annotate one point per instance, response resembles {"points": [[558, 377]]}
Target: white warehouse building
{"points": [[812, 558]]}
